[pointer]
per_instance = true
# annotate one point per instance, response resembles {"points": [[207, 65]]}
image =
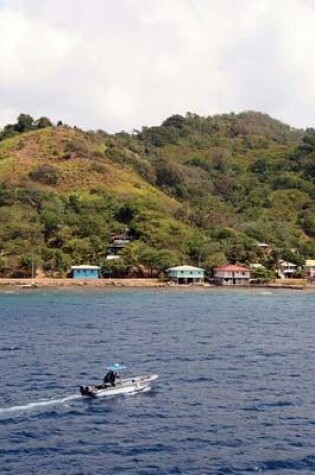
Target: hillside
{"points": [[199, 190]]}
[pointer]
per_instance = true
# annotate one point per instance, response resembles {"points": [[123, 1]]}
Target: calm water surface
{"points": [[235, 395]]}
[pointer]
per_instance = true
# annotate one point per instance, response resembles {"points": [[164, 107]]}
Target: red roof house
{"points": [[232, 274]]}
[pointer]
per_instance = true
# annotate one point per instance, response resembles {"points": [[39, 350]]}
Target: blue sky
{"points": [[120, 65]]}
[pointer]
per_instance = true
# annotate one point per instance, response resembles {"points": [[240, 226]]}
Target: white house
{"points": [[285, 269], [309, 268]]}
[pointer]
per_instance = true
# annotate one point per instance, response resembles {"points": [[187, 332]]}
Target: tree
{"points": [[308, 141], [113, 268], [148, 257], [260, 167], [3, 265], [7, 132], [28, 264], [167, 173], [159, 136], [219, 158], [214, 260], [55, 260], [262, 274], [308, 221], [79, 249], [131, 257], [25, 122], [197, 248], [177, 121], [126, 212], [166, 258], [42, 123], [51, 222], [46, 173]]}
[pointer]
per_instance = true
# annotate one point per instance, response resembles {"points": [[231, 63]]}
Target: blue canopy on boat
{"points": [[116, 367]]}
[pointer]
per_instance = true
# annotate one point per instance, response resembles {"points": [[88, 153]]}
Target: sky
{"points": [[124, 64]]}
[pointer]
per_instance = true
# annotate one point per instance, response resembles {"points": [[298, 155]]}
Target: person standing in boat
{"points": [[110, 378], [112, 374]]}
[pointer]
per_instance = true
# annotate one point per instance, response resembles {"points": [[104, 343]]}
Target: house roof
{"points": [[231, 268], [309, 263], [185, 268], [286, 264], [262, 244], [86, 267], [111, 257]]}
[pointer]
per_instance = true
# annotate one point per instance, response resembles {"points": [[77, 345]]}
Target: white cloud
{"points": [[30, 48], [124, 64]]}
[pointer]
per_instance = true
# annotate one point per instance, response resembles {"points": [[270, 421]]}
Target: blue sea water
{"points": [[235, 394]]}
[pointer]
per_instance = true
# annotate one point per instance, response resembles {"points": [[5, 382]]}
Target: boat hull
{"points": [[124, 386]]}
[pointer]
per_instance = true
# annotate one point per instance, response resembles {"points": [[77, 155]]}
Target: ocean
{"points": [[235, 394]]}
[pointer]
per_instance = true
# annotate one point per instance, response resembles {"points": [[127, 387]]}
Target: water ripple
{"points": [[235, 395]]}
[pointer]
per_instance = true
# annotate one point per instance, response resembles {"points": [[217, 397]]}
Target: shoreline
{"points": [[46, 282], [53, 283]]}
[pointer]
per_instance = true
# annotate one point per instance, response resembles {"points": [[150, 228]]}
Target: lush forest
{"points": [[194, 190]]}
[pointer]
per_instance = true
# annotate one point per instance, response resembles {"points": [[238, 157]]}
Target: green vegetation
{"points": [[198, 190], [24, 123]]}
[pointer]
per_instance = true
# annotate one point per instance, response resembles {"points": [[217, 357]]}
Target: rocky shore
{"points": [[52, 282], [46, 282]]}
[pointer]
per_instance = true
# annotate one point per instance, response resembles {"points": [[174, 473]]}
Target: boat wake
{"points": [[55, 402], [39, 404]]}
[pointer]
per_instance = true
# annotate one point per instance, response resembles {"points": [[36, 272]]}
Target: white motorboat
{"points": [[120, 386]]}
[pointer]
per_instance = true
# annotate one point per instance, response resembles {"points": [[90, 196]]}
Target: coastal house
{"points": [[256, 265], [117, 244], [85, 272], [264, 249], [285, 269], [231, 274], [186, 274], [309, 269]]}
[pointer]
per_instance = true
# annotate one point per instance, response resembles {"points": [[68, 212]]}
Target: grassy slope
{"points": [[216, 186], [82, 168]]}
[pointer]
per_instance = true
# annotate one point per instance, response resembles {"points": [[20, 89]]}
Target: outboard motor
{"points": [[85, 391]]}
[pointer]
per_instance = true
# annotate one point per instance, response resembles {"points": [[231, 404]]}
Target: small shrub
{"points": [[47, 174]]}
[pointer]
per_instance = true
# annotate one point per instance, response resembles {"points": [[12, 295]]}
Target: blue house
{"points": [[186, 274], [85, 272]]}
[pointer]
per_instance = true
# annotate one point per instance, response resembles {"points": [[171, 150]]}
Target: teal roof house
{"points": [[186, 274], [85, 272]]}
